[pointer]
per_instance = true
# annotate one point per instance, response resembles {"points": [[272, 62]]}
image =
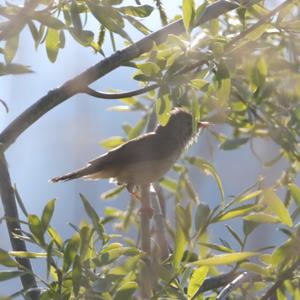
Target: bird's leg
{"points": [[145, 205]]}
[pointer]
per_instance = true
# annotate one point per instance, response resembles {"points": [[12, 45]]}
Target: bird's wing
{"points": [[146, 147]]}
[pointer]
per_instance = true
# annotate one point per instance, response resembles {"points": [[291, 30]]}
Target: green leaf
{"points": [[71, 251], [217, 247], [277, 207], [93, 216], [48, 20], [180, 236], [249, 196], [223, 92], [295, 191], [52, 44], [138, 25], [262, 217], [257, 32], [110, 194], [6, 260], [76, 275], [137, 129], [13, 69], [141, 11], [86, 235], [36, 228], [5, 275], [188, 12], [126, 290], [163, 109], [224, 259], [255, 268], [169, 184], [112, 252], [108, 17], [11, 47], [75, 16], [47, 214], [112, 142], [233, 144], [236, 212], [208, 169], [198, 83], [149, 68], [201, 216], [56, 237], [196, 281]]}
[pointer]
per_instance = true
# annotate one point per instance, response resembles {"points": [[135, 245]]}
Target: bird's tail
{"points": [[72, 175]]}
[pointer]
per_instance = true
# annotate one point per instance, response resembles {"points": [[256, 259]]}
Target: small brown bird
{"points": [[142, 160]]}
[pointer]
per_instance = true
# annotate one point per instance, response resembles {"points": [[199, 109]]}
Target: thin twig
{"points": [[104, 95], [159, 226], [146, 272]]}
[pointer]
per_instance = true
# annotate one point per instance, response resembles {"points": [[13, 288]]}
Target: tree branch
{"points": [[133, 93], [13, 226]]}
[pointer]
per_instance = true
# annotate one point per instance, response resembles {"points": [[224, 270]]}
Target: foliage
{"points": [[241, 70]]}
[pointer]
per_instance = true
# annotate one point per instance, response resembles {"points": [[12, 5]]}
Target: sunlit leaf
{"points": [[141, 11], [233, 144], [277, 207], [126, 290], [180, 237], [6, 260], [295, 191], [47, 214], [11, 47], [262, 217], [196, 281], [188, 11], [52, 44], [236, 212], [163, 109], [112, 193], [169, 184], [71, 251], [224, 259], [208, 169], [112, 142]]}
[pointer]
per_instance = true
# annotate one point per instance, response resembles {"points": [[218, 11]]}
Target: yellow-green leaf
{"points": [[295, 191], [126, 290], [52, 44], [188, 7], [262, 217], [196, 281], [277, 207], [224, 259], [236, 212], [6, 260], [208, 169], [163, 108], [112, 142]]}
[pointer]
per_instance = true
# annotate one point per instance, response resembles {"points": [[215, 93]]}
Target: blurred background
{"points": [[69, 135]]}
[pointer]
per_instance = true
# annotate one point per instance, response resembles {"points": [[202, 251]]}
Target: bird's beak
{"points": [[203, 124]]}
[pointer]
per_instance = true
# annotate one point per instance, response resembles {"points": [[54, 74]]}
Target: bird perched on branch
{"points": [[142, 160]]}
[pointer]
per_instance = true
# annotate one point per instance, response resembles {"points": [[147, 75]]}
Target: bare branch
{"points": [[13, 225]]}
